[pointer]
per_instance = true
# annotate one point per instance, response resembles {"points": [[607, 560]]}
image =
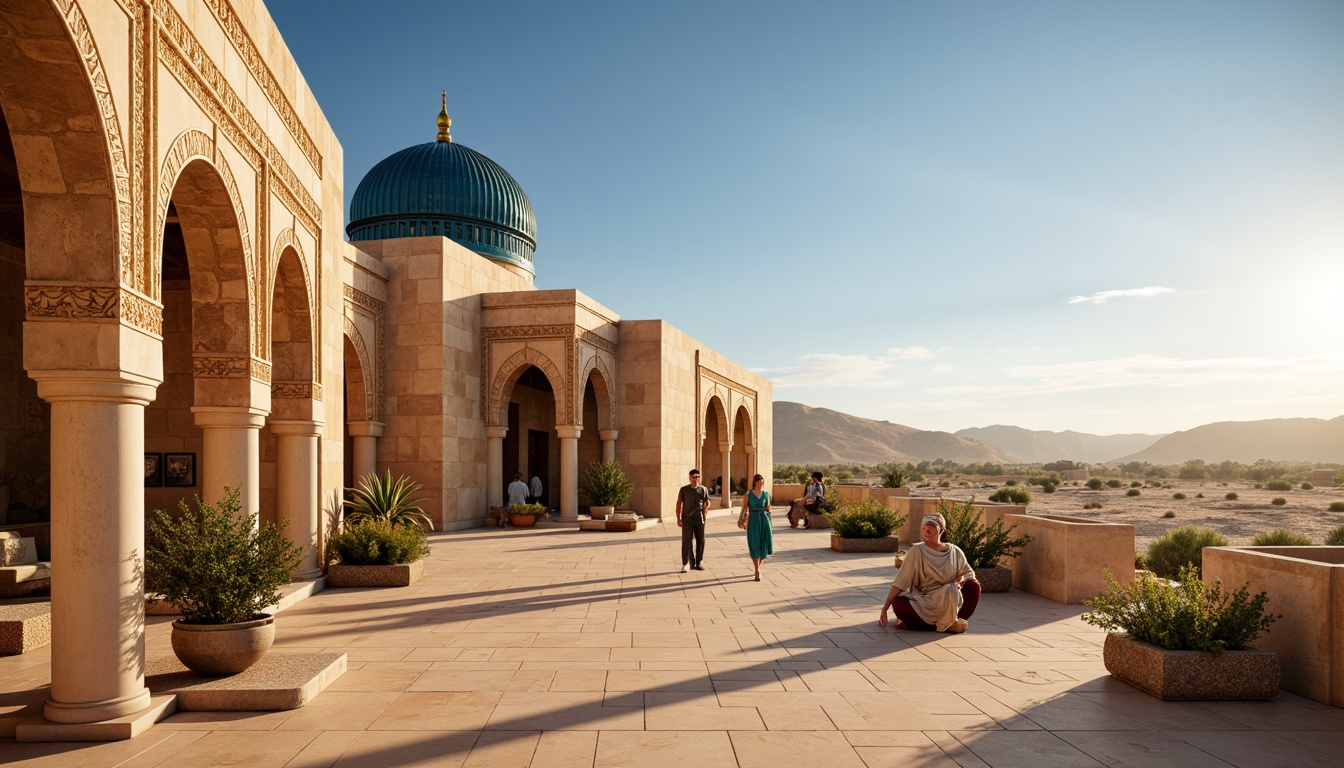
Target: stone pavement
{"points": [[557, 648]]}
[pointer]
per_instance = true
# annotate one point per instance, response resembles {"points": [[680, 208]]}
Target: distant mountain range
{"points": [[806, 435]]}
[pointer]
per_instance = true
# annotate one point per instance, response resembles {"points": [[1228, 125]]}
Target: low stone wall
{"points": [[886, 545], [1306, 586], [784, 493], [916, 507], [1068, 557], [1323, 477]]}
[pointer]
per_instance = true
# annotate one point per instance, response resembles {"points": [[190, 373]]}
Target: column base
{"points": [[39, 728], [58, 712]]}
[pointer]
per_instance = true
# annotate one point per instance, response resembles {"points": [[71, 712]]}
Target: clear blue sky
{"points": [[1109, 217]]}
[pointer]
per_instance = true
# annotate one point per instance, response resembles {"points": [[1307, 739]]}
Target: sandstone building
{"points": [[180, 311]]}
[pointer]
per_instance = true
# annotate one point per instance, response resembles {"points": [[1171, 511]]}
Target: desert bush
{"points": [[1281, 537], [1011, 496], [1178, 496], [1043, 480], [1337, 506], [1335, 538], [984, 545], [1278, 501], [1095, 484], [1140, 562], [1199, 495], [1181, 616], [1048, 488], [895, 478], [1010, 482], [1307, 486], [1278, 485], [945, 484], [605, 484], [1133, 492], [1136, 484], [1113, 483], [1258, 486], [867, 519], [1168, 513], [1092, 505], [1231, 496], [374, 542], [1180, 547]]}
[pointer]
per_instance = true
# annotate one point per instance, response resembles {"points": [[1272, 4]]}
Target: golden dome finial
{"points": [[445, 122]]}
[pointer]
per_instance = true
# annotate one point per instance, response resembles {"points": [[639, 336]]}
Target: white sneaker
{"points": [[685, 568]]}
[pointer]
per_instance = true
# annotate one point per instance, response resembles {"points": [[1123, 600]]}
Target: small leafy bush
{"points": [[1306, 486], [895, 478], [1281, 537], [1010, 482], [1049, 487], [1178, 496], [867, 519], [216, 564], [1199, 495], [374, 542], [1278, 501], [1113, 483], [1092, 505], [605, 485], [984, 545], [1258, 486], [1011, 496], [1181, 616], [1136, 484], [1278, 485], [1133, 492], [1337, 506], [1231, 496], [1335, 538], [1179, 547], [1169, 513], [1095, 484]]}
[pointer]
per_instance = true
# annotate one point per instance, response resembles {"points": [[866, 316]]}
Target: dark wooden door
{"points": [[539, 461], [511, 450]]}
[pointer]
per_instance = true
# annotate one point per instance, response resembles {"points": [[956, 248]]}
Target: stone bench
{"points": [[20, 570], [24, 627]]}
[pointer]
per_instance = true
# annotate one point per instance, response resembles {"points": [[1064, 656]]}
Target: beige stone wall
{"points": [[169, 425], [25, 444]]}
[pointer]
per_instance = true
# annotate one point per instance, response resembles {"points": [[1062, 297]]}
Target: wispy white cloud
{"points": [[835, 370], [1101, 297], [943, 369]]}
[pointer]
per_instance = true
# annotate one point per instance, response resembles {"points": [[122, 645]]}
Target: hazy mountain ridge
{"points": [[1041, 446], [806, 435], [1309, 440]]}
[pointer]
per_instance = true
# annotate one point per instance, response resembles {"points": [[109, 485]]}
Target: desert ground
{"points": [[1306, 512]]}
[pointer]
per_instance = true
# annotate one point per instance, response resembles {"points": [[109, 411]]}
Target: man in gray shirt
{"points": [[692, 504]]}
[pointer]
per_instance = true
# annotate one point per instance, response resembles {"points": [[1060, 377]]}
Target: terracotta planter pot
{"points": [[403, 575], [222, 649], [817, 521], [887, 544], [1249, 673], [522, 521], [994, 578], [601, 513]]}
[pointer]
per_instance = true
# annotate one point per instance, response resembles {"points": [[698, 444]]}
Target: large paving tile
{"points": [[803, 749], [431, 749], [1014, 749], [1140, 749], [649, 748]]}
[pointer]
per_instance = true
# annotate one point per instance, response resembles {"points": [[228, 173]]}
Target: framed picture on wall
{"points": [[153, 470], [179, 470]]}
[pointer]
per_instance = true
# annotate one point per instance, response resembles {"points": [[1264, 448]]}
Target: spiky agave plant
{"points": [[387, 500]]}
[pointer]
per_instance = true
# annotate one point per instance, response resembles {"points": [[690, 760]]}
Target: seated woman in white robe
{"points": [[935, 587]]}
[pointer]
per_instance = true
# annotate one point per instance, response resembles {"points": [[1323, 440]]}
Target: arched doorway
{"points": [[531, 446], [714, 450], [743, 458], [361, 429], [598, 441]]}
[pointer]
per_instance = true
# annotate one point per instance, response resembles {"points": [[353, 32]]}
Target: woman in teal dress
{"points": [[755, 520]]}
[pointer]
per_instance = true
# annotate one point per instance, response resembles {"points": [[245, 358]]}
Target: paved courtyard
{"points": [[558, 648]]}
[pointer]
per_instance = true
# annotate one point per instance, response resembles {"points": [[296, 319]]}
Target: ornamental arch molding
{"points": [[506, 375], [606, 399], [289, 240], [363, 324], [372, 396]]}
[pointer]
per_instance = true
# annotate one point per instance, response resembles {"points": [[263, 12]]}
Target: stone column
{"points": [[569, 472], [726, 491], [494, 465], [365, 434], [296, 493], [97, 543], [608, 444], [232, 454]]}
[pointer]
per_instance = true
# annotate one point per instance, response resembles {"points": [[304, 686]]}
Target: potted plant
{"points": [[605, 485], [388, 500], [222, 571], [829, 504], [525, 515], [985, 546], [1178, 641], [865, 526], [375, 553]]}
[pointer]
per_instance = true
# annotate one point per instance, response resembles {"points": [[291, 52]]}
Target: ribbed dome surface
{"points": [[444, 188]]}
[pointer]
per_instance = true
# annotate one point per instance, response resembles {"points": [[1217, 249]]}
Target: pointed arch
{"points": [[501, 387], [597, 371]]}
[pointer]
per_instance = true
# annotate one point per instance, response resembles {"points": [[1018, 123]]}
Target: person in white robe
{"points": [[935, 587]]}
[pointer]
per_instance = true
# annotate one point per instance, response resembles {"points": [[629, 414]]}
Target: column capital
{"points": [[725, 445], [608, 434], [237, 416], [371, 429], [95, 386], [749, 449], [300, 427], [497, 433], [568, 432]]}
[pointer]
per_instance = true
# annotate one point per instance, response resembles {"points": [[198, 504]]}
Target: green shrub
{"points": [[1095, 484], [1181, 616], [1180, 547], [374, 542], [1199, 495], [1258, 486], [1136, 484], [1178, 496], [1278, 501], [215, 563], [1092, 505], [1010, 482], [895, 478], [1337, 506], [605, 485], [1140, 562], [1335, 538], [1281, 537], [1049, 487], [388, 500], [1043, 480], [1169, 513], [984, 545], [1133, 492], [867, 519], [1278, 485], [1113, 483], [1231, 496], [1011, 496], [1307, 486]]}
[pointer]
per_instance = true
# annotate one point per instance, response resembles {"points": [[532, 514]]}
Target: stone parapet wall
{"points": [[1068, 557]]}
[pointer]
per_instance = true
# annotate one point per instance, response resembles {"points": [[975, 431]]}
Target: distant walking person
{"points": [[692, 503], [536, 490], [755, 520], [810, 503], [517, 490]]}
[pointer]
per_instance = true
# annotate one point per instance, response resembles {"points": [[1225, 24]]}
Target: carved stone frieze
{"points": [[260, 370], [359, 298], [596, 340], [220, 367], [139, 312], [70, 301], [502, 377], [294, 390]]}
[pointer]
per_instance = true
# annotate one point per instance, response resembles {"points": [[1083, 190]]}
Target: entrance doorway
{"points": [[539, 461]]}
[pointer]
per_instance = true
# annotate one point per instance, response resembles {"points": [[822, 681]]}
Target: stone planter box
{"points": [[995, 578], [374, 575], [1306, 586], [1249, 673], [817, 521], [1068, 557], [623, 526], [886, 544]]}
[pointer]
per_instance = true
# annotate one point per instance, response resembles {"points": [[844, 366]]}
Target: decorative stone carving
{"points": [[293, 390], [287, 239], [220, 367], [139, 312], [260, 370], [494, 404], [70, 301], [358, 303]]}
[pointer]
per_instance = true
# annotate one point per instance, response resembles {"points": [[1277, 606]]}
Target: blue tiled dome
{"points": [[444, 188]]}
